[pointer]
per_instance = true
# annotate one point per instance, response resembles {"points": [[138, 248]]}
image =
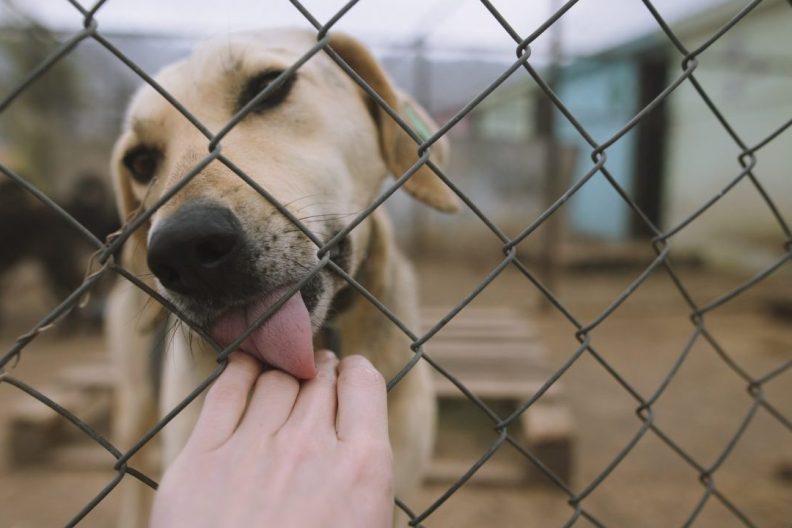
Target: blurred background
{"points": [[514, 155]]}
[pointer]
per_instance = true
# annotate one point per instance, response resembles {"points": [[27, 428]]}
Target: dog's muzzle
{"points": [[201, 253]]}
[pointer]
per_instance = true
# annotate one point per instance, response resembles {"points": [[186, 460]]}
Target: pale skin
{"points": [[269, 450]]}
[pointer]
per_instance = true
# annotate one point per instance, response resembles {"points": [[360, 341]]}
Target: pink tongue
{"points": [[283, 341]]}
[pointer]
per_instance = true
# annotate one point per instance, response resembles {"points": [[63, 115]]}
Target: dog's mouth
{"points": [[283, 341]]}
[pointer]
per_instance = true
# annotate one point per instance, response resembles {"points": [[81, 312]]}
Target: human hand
{"points": [[297, 455]]}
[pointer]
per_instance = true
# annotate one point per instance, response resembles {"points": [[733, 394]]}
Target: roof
{"points": [[692, 31]]}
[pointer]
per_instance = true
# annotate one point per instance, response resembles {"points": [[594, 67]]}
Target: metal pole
{"points": [[549, 252]]}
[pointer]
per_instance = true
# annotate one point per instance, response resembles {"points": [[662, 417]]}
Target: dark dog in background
{"points": [[33, 232]]}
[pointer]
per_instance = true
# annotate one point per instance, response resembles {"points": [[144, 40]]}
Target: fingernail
{"points": [[326, 356], [360, 369], [358, 361]]}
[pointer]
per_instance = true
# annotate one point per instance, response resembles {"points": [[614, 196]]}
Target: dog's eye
{"points": [[142, 162], [257, 84]]}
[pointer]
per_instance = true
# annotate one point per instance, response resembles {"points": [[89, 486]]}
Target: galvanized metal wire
{"points": [[661, 242]]}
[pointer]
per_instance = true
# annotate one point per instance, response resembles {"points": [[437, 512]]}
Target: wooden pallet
{"points": [[495, 352], [497, 355], [39, 435]]}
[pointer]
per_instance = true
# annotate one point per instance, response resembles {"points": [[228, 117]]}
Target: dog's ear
{"points": [[398, 149]]}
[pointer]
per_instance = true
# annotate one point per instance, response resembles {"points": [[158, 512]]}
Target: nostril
{"points": [[167, 274], [213, 250]]}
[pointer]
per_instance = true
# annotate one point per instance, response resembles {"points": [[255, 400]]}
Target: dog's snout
{"points": [[196, 250]]}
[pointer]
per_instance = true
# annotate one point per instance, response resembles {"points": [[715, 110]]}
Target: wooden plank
{"points": [[483, 333], [473, 312], [486, 324], [35, 429], [494, 472], [90, 376], [471, 364], [545, 422], [480, 320], [497, 355], [549, 429], [453, 350], [499, 361], [79, 457], [31, 412], [490, 375], [496, 389]]}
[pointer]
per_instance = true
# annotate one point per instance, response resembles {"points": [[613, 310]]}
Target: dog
{"points": [[223, 254], [58, 248]]}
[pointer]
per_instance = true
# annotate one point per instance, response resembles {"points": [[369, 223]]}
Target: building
{"points": [[679, 157]]}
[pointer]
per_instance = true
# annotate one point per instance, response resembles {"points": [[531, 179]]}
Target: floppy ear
{"points": [[398, 149]]}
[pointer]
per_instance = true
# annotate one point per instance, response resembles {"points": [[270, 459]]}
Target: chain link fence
{"points": [[661, 242]]}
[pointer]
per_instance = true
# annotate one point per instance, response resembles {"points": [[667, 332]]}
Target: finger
{"points": [[225, 402], [315, 408], [271, 403], [362, 401]]}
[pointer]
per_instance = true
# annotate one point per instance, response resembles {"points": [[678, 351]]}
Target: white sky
{"points": [[462, 25]]}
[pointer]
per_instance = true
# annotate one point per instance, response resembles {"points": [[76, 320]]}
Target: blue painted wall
{"points": [[603, 96]]}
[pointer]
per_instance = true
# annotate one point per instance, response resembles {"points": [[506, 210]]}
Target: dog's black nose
{"points": [[197, 250]]}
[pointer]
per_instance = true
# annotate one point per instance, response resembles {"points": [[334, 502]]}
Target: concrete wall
{"points": [[748, 75]]}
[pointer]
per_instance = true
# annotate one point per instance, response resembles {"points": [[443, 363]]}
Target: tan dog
{"points": [[222, 254]]}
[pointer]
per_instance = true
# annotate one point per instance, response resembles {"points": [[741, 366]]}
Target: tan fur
{"points": [[325, 151]]}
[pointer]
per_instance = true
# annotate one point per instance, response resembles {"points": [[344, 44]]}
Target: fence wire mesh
{"points": [[106, 263]]}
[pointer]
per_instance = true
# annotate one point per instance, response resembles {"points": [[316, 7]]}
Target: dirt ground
{"points": [[653, 487]]}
